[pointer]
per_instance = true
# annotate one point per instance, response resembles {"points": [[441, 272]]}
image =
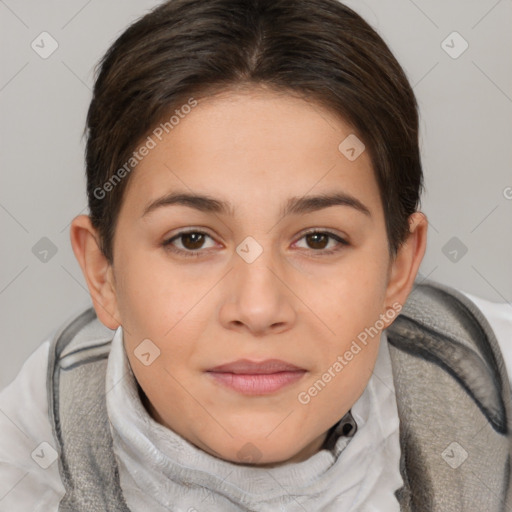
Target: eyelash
{"points": [[167, 244]]}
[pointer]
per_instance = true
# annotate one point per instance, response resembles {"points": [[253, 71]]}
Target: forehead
{"points": [[256, 143]]}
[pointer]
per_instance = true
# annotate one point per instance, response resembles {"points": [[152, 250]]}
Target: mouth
{"points": [[256, 378]]}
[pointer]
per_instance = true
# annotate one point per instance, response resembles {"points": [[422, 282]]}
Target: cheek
{"points": [[164, 305], [347, 354], [354, 296], [345, 359], [152, 296]]}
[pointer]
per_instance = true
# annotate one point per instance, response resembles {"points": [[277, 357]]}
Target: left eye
{"points": [[319, 240]]}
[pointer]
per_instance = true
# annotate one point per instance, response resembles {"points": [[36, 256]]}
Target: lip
{"points": [[247, 366], [256, 378]]}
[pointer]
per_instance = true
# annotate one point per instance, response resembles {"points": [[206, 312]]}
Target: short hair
{"points": [[320, 50]]}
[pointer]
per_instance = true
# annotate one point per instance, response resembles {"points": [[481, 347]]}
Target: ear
{"points": [[405, 265], [97, 270]]}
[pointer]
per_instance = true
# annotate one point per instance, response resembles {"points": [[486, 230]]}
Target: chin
{"points": [[260, 452]]}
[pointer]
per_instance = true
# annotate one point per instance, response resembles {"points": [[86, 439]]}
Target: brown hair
{"points": [[318, 49]]}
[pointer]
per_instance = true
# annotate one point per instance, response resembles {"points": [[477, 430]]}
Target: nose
{"points": [[258, 299]]}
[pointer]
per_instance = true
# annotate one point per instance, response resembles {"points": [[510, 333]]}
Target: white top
{"points": [[361, 473]]}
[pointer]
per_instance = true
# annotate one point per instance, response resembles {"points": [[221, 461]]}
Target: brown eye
{"points": [[192, 241], [323, 242], [317, 240], [189, 243]]}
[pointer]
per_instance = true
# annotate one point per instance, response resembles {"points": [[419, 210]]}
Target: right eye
{"points": [[190, 241]]}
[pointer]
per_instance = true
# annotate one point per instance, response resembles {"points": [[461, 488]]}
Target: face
{"points": [[250, 289]]}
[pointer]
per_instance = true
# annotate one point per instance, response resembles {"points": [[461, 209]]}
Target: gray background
{"points": [[466, 140]]}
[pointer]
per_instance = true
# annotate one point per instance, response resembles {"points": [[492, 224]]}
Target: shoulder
{"points": [[441, 327], [451, 381], [29, 473], [499, 316], [460, 316], [29, 450]]}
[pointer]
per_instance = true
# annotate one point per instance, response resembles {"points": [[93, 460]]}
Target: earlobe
{"points": [[406, 263], [97, 270]]}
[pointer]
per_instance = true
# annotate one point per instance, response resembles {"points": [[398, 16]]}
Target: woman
{"points": [[253, 177]]}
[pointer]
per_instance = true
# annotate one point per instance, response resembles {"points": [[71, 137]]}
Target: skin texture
{"points": [[295, 302]]}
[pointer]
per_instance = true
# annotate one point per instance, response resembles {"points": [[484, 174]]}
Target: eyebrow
{"points": [[294, 205]]}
